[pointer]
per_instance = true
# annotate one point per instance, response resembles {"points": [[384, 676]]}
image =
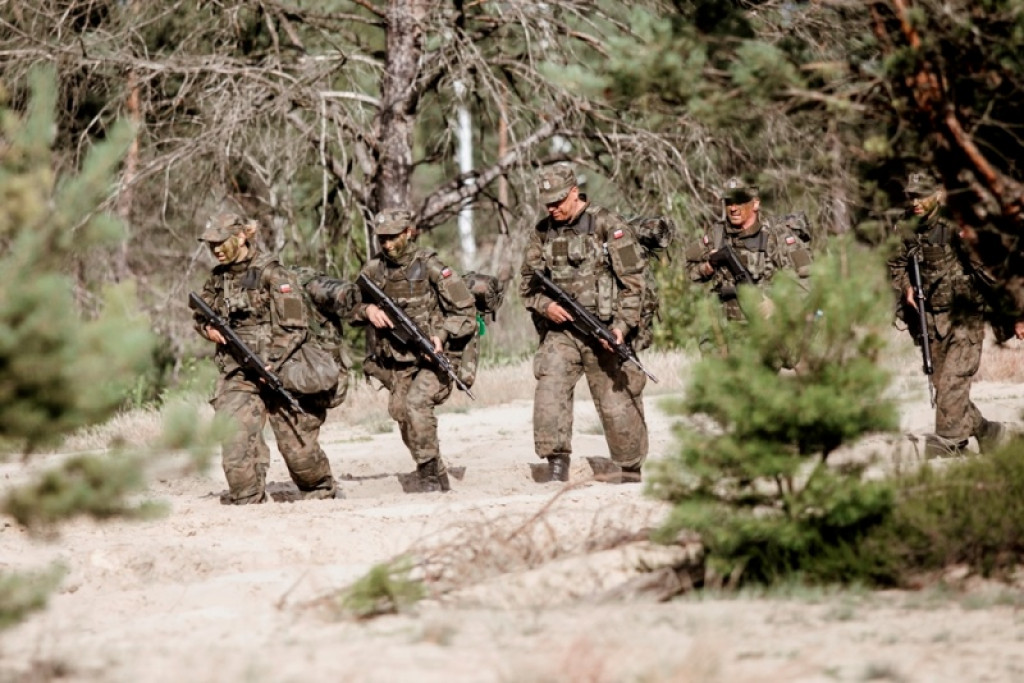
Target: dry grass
{"points": [[1002, 363], [999, 363]]}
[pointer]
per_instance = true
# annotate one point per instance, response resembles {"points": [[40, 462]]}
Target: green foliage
{"points": [[21, 594], [760, 490], [683, 313], [58, 372], [968, 512], [386, 589], [95, 485]]}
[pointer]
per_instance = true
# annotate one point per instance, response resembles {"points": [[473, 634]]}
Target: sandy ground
{"points": [[216, 593]]}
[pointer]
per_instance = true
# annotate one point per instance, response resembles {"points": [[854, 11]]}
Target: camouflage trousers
{"points": [[245, 455], [956, 356], [415, 391], [617, 392]]}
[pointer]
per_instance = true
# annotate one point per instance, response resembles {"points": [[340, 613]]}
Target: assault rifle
{"points": [[587, 323], [407, 331], [914, 270], [242, 354], [726, 256]]}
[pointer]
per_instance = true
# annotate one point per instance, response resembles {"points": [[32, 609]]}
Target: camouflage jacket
{"points": [[767, 248], [594, 257], [429, 292], [262, 302], [948, 278]]}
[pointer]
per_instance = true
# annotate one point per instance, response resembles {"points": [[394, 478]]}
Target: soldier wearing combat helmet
{"points": [[261, 301], [438, 301], [954, 313], [594, 255]]}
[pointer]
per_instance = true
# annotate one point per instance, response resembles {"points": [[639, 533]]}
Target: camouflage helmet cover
{"points": [[392, 222], [738, 192], [555, 182], [920, 184], [221, 226]]}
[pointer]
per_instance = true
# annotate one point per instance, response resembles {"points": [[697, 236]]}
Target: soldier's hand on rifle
{"points": [[377, 317], [1018, 329], [908, 297], [214, 335], [706, 269], [436, 341], [619, 338], [556, 314]]}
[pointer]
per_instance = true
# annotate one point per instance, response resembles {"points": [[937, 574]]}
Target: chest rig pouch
{"points": [[409, 287], [578, 263], [939, 266], [245, 305], [752, 253]]}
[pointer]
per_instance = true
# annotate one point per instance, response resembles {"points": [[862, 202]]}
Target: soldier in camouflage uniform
{"points": [[954, 308], [593, 254], [762, 245], [438, 301], [261, 301]]}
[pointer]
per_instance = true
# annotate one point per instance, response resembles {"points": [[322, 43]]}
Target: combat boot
{"points": [[630, 475], [991, 435], [936, 446], [558, 466], [433, 476]]}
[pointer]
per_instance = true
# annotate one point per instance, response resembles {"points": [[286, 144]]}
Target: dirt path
{"points": [[215, 593]]}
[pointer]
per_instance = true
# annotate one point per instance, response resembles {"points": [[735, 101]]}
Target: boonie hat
{"points": [[392, 221], [921, 185], [555, 182], [222, 226], [738, 192]]}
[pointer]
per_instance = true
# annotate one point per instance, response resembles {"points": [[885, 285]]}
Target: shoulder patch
{"points": [[706, 239], [285, 288], [618, 234], [446, 272], [790, 239]]}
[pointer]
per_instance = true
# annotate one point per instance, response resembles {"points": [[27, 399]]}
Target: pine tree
{"points": [[59, 371], [760, 488]]}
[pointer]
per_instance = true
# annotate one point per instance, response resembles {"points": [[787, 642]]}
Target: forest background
{"points": [[313, 116]]}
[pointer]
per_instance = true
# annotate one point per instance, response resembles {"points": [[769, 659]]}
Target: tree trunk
{"points": [[399, 101]]}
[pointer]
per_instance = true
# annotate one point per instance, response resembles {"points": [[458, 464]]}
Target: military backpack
{"points": [[655, 234], [488, 294]]}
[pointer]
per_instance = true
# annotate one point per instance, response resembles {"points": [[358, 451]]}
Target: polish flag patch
{"points": [[618, 234], [707, 240], [790, 240], [446, 272], [286, 288]]}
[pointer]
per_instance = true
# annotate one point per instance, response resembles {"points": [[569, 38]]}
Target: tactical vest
{"points": [[942, 273], [409, 287], [752, 251], [577, 261], [243, 302]]}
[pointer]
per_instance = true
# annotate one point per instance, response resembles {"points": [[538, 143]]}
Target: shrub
{"points": [[759, 488]]}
